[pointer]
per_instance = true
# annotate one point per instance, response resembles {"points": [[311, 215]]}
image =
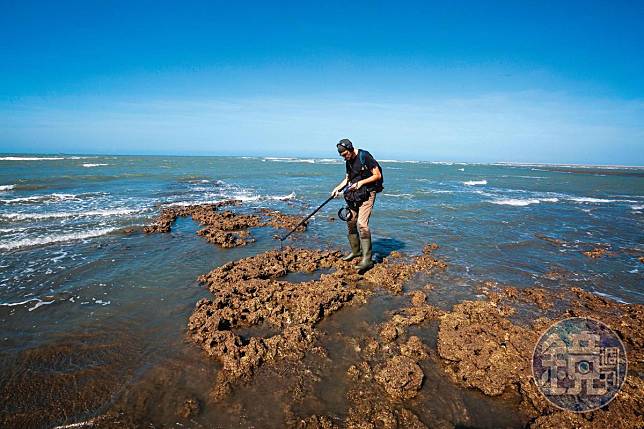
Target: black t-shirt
{"points": [[355, 171]]}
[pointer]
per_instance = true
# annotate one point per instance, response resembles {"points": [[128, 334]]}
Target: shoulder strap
{"points": [[361, 155]]}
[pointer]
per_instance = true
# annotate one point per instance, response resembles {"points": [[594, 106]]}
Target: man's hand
{"points": [[356, 186], [335, 192]]}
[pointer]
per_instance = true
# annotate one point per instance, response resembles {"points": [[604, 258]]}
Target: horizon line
{"points": [[517, 163]]}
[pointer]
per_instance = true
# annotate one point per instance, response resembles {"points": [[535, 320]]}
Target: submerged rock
{"points": [[255, 319], [249, 293], [278, 219], [484, 349], [225, 229], [401, 377], [597, 252], [395, 270], [200, 212], [189, 408]]}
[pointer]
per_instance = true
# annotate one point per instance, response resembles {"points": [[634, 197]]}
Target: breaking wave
{"points": [[29, 158], [591, 200], [49, 239], [520, 202], [475, 182], [46, 197], [58, 215]]}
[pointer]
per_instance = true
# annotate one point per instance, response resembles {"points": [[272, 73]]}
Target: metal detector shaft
{"points": [[309, 216]]}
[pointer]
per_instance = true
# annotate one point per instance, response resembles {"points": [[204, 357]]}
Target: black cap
{"points": [[344, 144]]}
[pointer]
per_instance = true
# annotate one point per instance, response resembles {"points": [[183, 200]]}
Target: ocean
{"points": [[75, 282]]}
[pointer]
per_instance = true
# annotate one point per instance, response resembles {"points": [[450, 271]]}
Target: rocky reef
{"points": [[225, 229], [250, 294], [257, 319]]}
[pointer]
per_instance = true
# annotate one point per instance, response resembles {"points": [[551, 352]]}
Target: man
{"points": [[362, 170]]}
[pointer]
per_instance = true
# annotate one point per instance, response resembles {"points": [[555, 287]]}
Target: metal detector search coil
{"points": [[345, 214]]}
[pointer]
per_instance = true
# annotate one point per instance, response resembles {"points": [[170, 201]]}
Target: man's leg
{"points": [[354, 239], [364, 213]]}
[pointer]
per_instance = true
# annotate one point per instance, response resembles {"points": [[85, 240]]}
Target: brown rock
{"points": [[280, 220], [418, 298], [226, 229], [393, 272], [485, 350], [401, 377], [190, 408], [247, 293], [595, 253], [414, 349]]}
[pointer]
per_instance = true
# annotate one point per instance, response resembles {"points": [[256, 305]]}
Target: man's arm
{"points": [[375, 176], [341, 185]]}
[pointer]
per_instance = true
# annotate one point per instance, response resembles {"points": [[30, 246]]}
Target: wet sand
{"points": [[296, 338]]}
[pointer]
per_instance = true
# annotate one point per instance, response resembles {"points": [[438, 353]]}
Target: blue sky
{"points": [[470, 81]]}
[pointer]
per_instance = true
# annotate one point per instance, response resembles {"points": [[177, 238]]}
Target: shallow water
{"points": [[94, 318]]}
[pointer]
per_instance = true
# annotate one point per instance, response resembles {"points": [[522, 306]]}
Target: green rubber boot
{"points": [[366, 262], [354, 240]]}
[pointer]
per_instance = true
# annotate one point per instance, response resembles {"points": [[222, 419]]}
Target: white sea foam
{"points": [[329, 161], [612, 297], [76, 425], [41, 158], [245, 197], [48, 239], [12, 229], [280, 197], [304, 160], [475, 182], [13, 304], [461, 169], [93, 165], [515, 202], [578, 166], [191, 203], [521, 202], [637, 207], [7, 187], [58, 215], [29, 158], [398, 195], [40, 304], [45, 197], [591, 200]]}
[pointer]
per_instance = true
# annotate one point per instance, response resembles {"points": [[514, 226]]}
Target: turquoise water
{"points": [[67, 267]]}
